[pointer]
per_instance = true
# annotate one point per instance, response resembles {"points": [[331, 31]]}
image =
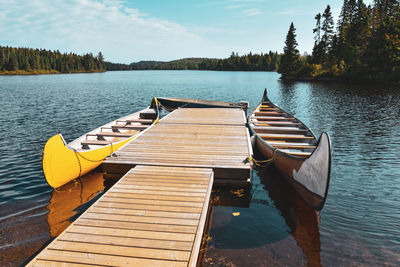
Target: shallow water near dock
{"points": [[270, 225]]}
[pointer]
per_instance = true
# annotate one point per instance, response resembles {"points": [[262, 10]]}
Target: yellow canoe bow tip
{"points": [[62, 164]]}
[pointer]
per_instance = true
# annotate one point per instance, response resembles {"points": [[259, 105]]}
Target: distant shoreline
{"points": [[341, 80], [40, 72]]}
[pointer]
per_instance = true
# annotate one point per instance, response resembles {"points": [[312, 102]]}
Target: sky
{"points": [[128, 31]]}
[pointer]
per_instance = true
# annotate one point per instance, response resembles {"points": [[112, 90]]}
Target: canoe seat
{"points": [[290, 145], [268, 118], [284, 136], [148, 114], [270, 113], [85, 144], [267, 109], [142, 121], [111, 134], [130, 127], [296, 153], [277, 123], [278, 129]]}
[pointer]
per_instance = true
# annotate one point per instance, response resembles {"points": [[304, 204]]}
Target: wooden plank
{"points": [[117, 198], [278, 129], [143, 121], [269, 113], [130, 127], [188, 229], [267, 118], [73, 258], [149, 207], [162, 182], [114, 134], [122, 251], [162, 187], [95, 142], [128, 241], [157, 197], [283, 136], [173, 162], [131, 233], [274, 123], [296, 153]]}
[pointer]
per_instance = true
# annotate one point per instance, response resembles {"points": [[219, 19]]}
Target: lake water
{"points": [[359, 225]]}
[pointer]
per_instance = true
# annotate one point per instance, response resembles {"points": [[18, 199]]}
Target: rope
{"points": [[78, 154], [260, 163], [164, 107], [169, 108], [263, 163]]}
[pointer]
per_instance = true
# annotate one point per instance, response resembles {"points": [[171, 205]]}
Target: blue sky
{"points": [[134, 30]]}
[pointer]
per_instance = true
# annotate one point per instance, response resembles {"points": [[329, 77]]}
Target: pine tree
{"points": [[327, 28], [317, 52], [100, 59], [384, 46], [290, 58]]}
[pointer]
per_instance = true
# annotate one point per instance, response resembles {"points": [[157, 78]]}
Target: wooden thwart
{"points": [[140, 221]]}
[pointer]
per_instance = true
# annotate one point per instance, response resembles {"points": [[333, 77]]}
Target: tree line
{"points": [[364, 45], [27, 60], [247, 62]]}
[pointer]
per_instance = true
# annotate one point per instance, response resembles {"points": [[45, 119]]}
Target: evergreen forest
{"points": [[38, 61], [363, 45], [248, 62]]}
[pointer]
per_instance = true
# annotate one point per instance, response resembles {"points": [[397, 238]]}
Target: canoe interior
{"points": [[282, 131]]}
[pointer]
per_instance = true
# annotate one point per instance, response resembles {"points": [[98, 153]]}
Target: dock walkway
{"points": [[153, 216], [214, 138]]}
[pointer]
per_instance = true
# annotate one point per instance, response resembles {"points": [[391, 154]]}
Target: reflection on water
{"points": [[25, 229], [252, 233], [302, 220], [66, 200]]}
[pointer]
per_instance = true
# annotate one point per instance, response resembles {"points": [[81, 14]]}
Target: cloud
{"points": [[251, 12], [230, 3], [84, 26], [235, 6]]}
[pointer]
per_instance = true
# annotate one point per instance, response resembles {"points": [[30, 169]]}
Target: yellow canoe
{"points": [[63, 162]]}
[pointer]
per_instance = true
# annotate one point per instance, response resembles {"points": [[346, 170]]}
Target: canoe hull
{"points": [[309, 176], [61, 164]]}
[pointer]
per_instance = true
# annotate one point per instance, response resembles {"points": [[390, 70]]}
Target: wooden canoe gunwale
{"points": [[301, 159]]}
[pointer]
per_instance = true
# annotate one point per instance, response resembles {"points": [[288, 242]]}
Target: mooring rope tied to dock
{"points": [[263, 163], [78, 154]]}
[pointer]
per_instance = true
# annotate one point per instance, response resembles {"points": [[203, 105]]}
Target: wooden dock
{"points": [[153, 216], [214, 138]]}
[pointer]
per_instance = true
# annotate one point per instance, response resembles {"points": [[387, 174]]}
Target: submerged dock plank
{"points": [[214, 138], [153, 216]]}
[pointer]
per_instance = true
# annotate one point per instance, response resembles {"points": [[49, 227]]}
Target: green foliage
{"points": [[290, 59], [365, 46], [248, 62], [36, 61]]}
